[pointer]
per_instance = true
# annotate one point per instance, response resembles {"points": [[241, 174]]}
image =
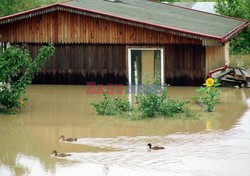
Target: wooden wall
{"points": [[216, 57], [65, 27], [78, 64], [185, 65]]}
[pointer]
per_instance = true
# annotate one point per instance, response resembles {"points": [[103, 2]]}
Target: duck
{"points": [[155, 147], [62, 138], [54, 153]]}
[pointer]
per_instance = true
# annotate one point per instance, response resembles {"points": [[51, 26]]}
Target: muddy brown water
{"points": [[216, 144], [240, 61]]}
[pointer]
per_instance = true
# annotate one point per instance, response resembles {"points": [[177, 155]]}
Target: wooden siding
{"points": [[103, 64], [78, 64], [65, 27], [215, 57], [184, 65]]}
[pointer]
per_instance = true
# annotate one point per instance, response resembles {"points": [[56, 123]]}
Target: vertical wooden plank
{"points": [[78, 28], [66, 31], [59, 26], [55, 27], [82, 29]]}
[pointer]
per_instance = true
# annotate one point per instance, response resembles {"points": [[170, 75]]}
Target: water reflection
{"points": [[217, 144], [240, 61]]}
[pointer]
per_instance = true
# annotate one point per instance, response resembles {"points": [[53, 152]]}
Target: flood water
{"points": [[240, 61], [216, 144]]}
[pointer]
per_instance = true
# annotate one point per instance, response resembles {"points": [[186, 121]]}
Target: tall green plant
{"points": [[17, 70], [209, 95]]}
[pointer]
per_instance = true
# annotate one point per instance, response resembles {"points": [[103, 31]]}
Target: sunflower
{"points": [[209, 82]]}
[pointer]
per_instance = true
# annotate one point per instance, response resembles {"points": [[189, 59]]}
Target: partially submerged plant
{"points": [[17, 70], [108, 106], [209, 94], [152, 101]]}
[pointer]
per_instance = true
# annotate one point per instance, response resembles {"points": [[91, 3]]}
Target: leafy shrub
{"points": [[17, 71], [108, 106], [152, 104], [122, 105], [148, 104], [105, 107], [171, 107]]}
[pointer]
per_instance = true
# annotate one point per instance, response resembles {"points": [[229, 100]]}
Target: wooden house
{"points": [[119, 41]]}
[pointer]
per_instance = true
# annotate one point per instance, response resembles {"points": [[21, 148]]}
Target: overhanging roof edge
{"points": [[221, 39]]}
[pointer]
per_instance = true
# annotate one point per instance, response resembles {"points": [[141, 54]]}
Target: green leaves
{"points": [[8, 7], [109, 106], [17, 71], [152, 101], [238, 9], [149, 104], [152, 104], [171, 107], [209, 96]]}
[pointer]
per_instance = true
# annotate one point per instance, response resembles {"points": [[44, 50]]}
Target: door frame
{"points": [[130, 49]]}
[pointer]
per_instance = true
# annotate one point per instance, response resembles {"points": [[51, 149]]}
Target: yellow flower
{"points": [[209, 82]]}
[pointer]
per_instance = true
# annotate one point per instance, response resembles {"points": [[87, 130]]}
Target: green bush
{"points": [[153, 101], [122, 105], [108, 106], [17, 71], [150, 103], [171, 107]]}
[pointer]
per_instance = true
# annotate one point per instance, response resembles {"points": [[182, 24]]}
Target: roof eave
{"points": [[234, 32], [219, 38], [143, 22], [28, 11], [215, 14], [110, 15]]}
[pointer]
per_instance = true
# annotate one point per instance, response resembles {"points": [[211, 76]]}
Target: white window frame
{"points": [[148, 49]]}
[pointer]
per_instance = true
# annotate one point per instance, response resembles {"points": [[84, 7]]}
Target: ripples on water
{"points": [[208, 153], [116, 147], [182, 152]]}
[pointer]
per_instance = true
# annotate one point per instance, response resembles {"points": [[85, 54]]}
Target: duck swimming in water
{"points": [[155, 147], [54, 153], [62, 138]]}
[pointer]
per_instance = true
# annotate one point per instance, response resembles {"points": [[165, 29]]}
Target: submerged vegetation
{"points": [[151, 104], [108, 106], [209, 95], [147, 105], [152, 101], [17, 70]]}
